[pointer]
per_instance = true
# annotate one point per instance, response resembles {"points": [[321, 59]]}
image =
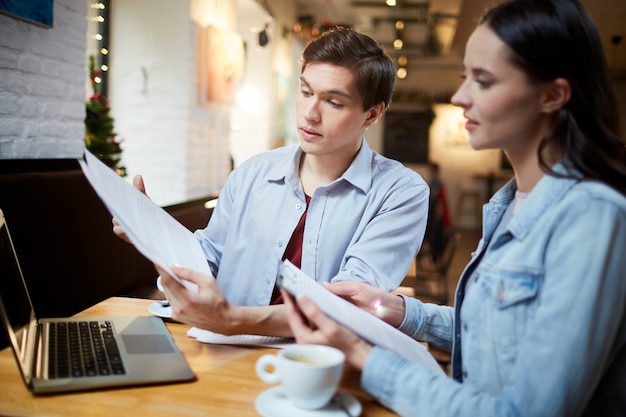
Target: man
{"points": [[331, 205]]}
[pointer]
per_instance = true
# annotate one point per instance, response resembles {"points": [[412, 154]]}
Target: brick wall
{"points": [[42, 85]]}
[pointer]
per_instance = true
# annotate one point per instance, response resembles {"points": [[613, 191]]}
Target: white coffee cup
{"points": [[310, 374]]}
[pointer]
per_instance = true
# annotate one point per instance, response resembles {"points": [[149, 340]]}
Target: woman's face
{"points": [[501, 107]]}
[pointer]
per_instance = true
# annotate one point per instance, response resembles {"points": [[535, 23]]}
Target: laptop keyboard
{"points": [[83, 349]]}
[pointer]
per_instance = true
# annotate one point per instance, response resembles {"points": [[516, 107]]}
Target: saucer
{"points": [[274, 403], [160, 311]]}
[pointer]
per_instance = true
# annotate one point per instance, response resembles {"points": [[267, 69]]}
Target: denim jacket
{"points": [[541, 331]]}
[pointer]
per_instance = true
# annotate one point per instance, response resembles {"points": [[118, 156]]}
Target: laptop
{"points": [[109, 351]]}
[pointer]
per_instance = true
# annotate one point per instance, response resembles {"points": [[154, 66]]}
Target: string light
{"points": [[100, 18]]}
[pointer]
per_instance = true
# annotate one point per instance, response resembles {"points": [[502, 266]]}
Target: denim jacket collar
{"points": [[547, 192]]}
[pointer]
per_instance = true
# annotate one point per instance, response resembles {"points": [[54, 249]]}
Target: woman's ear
{"points": [[374, 113], [556, 95]]}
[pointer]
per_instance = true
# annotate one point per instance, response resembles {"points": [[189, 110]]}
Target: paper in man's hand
{"points": [[153, 231]]}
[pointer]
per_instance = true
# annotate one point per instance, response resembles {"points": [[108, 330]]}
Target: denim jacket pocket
{"points": [[511, 294], [507, 287]]}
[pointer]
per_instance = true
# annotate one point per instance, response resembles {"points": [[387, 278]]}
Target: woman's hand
{"points": [[310, 325], [387, 307]]}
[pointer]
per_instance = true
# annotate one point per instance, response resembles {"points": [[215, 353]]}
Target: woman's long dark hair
{"points": [[558, 38]]}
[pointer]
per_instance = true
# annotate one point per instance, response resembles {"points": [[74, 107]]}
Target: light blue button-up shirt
{"points": [[367, 225], [541, 330]]}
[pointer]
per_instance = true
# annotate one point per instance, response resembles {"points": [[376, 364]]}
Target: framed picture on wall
{"points": [[406, 135], [221, 64], [39, 12]]}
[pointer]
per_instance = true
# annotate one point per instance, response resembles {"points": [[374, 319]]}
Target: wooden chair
{"points": [[431, 275]]}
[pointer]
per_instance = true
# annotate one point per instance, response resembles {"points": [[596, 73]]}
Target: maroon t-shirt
{"points": [[293, 252]]}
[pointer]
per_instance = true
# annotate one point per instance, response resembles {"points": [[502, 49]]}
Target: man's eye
{"points": [[335, 104]]}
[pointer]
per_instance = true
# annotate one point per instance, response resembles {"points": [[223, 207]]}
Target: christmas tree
{"points": [[100, 138]]}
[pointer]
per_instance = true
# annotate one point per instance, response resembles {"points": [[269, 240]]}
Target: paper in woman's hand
{"points": [[367, 326]]}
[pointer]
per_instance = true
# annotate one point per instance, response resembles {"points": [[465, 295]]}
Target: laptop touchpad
{"points": [[147, 343]]}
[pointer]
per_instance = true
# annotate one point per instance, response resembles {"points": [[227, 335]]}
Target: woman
{"points": [[538, 327]]}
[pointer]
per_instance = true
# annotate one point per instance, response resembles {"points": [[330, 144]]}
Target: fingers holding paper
{"points": [[310, 325], [206, 308]]}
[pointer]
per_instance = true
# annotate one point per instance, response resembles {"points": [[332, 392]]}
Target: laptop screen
{"points": [[15, 307]]}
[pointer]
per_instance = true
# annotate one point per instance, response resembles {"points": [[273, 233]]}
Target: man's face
{"points": [[329, 112]]}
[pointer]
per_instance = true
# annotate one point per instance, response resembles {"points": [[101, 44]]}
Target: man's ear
{"points": [[374, 113], [556, 95]]}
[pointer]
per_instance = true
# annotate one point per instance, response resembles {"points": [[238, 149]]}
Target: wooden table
{"points": [[226, 382]]}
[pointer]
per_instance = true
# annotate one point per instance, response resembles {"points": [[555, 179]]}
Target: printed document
{"points": [[369, 327], [153, 231]]}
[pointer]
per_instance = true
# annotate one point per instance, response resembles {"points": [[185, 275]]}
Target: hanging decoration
{"points": [[308, 29]]}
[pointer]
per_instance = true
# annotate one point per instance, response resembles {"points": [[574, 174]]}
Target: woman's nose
{"points": [[460, 98]]}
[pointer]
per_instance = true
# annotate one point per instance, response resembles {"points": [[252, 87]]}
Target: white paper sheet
{"points": [[153, 231], [367, 326], [206, 336]]}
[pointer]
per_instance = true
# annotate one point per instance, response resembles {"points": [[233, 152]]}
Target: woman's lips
{"points": [[470, 124]]}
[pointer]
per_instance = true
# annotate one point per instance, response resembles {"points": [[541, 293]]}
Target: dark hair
{"points": [[373, 68], [552, 39]]}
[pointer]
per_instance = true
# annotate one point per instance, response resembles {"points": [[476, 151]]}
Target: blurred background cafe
{"points": [[183, 91]]}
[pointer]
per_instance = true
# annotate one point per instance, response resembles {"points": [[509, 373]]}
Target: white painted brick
{"points": [[11, 127], [29, 64], [29, 107], [8, 59], [42, 83], [8, 103]]}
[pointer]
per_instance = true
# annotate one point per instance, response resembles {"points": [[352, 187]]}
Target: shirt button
{"points": [[298, 206], [267, 281], [280, 244], [464, 324]]}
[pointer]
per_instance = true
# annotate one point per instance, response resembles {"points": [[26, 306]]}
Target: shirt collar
{"points": [[359, 173]]}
